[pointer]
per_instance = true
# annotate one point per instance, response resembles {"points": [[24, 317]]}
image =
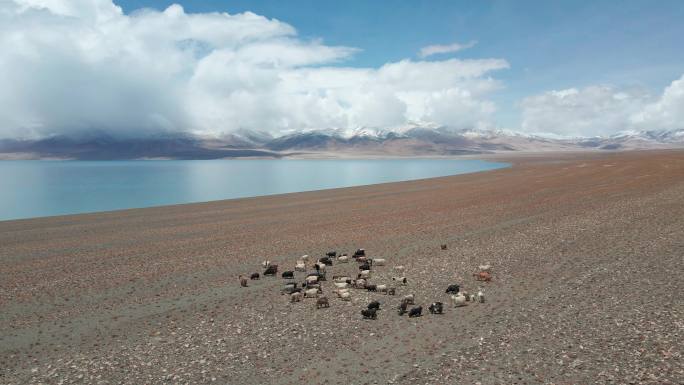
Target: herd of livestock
{"points": [[343, 284]]}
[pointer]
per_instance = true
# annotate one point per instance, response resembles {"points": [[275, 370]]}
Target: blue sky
{"points": [[549, 44], [207, 67]]}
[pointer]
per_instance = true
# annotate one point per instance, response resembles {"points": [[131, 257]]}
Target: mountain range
{"points": [[411, 140]]}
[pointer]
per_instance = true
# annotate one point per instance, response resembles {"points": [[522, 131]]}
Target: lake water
{"points": [[43, 188]]}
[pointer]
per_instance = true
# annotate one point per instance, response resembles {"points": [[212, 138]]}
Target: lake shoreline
{"points": [[55, 188], [149, 295]]}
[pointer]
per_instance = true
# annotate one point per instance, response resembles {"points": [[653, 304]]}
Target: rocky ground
{"points": [[587, 249]]}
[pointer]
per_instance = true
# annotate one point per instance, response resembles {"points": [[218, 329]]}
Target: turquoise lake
{"points": [[31, 189]]}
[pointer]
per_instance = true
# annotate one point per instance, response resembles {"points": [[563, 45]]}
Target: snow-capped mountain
{"points": [[415, 139]]}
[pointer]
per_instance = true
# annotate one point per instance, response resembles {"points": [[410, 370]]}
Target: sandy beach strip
{"points": [[587, 252]]}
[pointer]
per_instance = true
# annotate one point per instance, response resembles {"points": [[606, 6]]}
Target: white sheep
{"points": [[364, 274], [311, 293], [401, 280], [341, 285], [345, 296], [343, 259], [341, 278], [304, 258], [458, 300], [266, 264], [300, 266], [399, 269], [409, 299], [321, 266], [381, 288], [480, 296], [378, 261], [487, 268], [311, 279], [340, 291], [360, 283], [296, 297]]}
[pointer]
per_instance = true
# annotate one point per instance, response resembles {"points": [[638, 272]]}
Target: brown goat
{"points": [[322, 302], [483, 276]]}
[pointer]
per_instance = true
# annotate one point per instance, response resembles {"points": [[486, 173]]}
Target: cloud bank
{"points": [[603, 110], [83, 66], [441, 49]]}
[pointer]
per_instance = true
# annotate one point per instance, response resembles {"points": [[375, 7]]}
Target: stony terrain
{"points": [[587, 249]]}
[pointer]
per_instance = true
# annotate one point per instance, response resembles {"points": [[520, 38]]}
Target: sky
{"points": [[209, 67]]}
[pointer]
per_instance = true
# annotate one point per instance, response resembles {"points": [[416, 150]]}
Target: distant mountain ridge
{"points": [[410, 140]]}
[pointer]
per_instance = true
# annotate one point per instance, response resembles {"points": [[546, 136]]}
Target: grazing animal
{"points": [[360, 283], [311, 293], [331, 254], [254, 276], [320, 266], [265, 264], [339, 292], [341, 278], [378, 261], [399, 269], [382, 288], [271, 270], [322, 302], [365, 266], [402, 307], [453, 289], [304, 258], [483, 276], [243, 281], [369, 313], [365, 274], [326, 261], [436, 308], [374, 305], [480, 296], [444, 246], [341, 285], [409, 298], [288, 274], [300, 266], [466, 295], [359, 253], [401, 280], [361, 259], [487, 268], [391, 291], [458, 300], [316, 286], [296, 296], [416, 312], [345, 296], [343, 259], [472, 298], [290, 289], [372, 287]]}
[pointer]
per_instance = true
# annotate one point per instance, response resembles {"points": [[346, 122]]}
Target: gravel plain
{"points": [[588, 262]]}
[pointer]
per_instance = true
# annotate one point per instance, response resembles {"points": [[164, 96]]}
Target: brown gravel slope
{"points": [[587, 249]]}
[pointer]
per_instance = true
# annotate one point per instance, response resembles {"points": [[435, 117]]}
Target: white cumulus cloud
{"points": [[667, 112], [603, 110], [441, 49], [82, 66]]}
